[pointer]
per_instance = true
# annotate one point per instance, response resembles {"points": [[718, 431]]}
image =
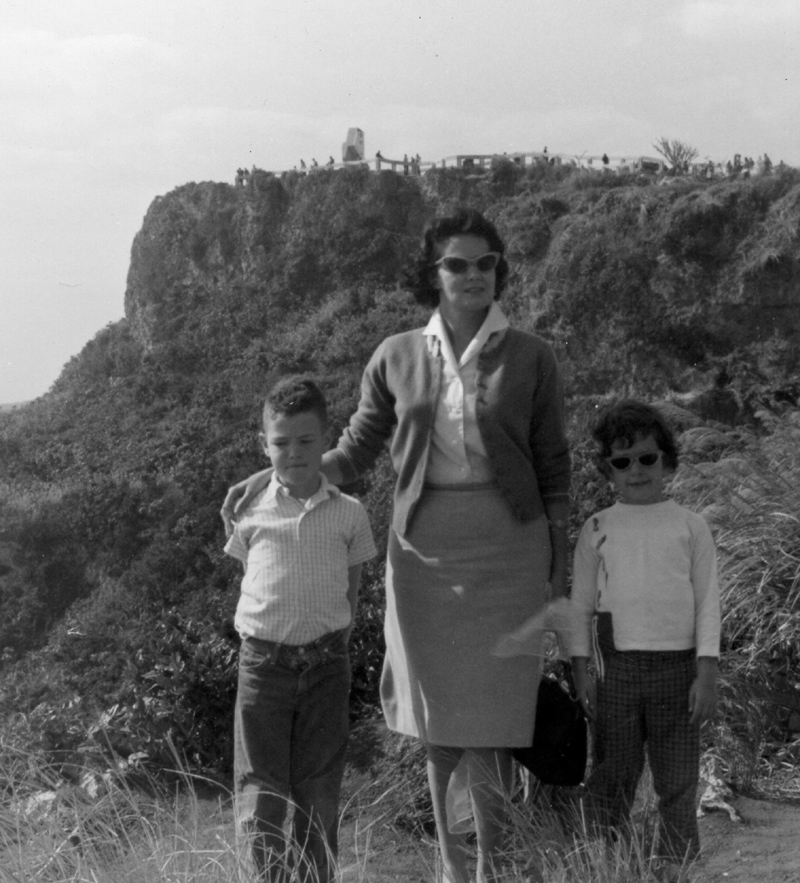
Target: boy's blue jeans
{"points": [[290, 740], [644, 700]]}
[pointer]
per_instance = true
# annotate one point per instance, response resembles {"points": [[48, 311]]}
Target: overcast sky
{"points": [[106, 105]]}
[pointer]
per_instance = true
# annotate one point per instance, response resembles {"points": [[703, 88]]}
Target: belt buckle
{"points": [[300, 660]]}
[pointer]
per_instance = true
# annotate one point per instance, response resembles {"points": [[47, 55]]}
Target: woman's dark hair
{"points": [[628, 419], [420, 277]]}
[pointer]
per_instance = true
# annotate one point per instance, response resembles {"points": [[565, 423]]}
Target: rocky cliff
{"points": [[688, 272]]}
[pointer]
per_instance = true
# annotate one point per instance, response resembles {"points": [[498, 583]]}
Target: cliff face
{"points": [[195, 244], [211, 248], [217, 262]]}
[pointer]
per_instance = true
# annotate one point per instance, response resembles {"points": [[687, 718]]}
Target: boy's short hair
{"points": [[625, 420], [296, 395]]}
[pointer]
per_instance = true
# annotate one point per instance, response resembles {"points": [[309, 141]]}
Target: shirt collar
{"points": [[494, 323], [326, 489]]}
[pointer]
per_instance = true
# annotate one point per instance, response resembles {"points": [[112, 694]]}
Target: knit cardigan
{"points": [[519, 411]]}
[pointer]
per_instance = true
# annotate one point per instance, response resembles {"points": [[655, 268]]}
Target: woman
{"points": [[479, 521]]}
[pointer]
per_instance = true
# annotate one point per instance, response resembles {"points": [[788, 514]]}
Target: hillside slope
{"points": [[111, 570]]}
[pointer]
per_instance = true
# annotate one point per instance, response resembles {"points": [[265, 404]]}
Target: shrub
{"points": [[750, 497], [177, 697]]}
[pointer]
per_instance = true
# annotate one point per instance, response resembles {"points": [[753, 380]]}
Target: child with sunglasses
{"points": [[646, 600]]}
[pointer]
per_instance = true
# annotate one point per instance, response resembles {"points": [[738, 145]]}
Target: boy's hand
{"points": [[703, 692], [584, 685]]}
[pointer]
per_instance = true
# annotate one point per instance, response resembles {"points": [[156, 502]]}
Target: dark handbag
{"points": [[557, 755]]}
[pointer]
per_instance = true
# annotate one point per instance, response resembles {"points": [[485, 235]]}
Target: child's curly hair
{"points": [[628, 419], [296, 395]]}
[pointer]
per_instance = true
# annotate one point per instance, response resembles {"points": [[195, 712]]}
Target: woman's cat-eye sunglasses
{"points": [[485, 263]]}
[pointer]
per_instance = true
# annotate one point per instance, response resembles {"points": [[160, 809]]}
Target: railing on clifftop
{"points": [[481, 162]]}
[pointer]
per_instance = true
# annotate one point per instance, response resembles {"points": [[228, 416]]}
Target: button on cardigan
{"points": [[519, 411]]}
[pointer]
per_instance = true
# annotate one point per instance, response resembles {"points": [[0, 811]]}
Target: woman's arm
{"points": [[373, 422], [548, 441], [557, 510], [547, 434]]}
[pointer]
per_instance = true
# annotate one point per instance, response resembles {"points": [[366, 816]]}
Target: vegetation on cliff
{"points": [[116, 601]]}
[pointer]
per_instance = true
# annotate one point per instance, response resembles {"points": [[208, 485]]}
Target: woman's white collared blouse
{"points": [[458, 454]]}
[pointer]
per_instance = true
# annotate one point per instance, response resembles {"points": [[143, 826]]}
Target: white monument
{"points": [[353, 148]]}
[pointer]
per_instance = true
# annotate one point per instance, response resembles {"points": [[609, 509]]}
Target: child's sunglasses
{"points": [[622, 464], [485, 263]]}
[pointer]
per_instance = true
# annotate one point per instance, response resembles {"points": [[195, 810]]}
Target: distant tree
{"points": [[675, 152]]}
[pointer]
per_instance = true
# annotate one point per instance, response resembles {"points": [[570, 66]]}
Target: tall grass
{"points": [[551, 842], [105, 830], [94, 828], [747, 485]]}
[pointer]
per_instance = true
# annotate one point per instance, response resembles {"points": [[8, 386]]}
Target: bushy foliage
{"points": [[748, 488], [176, 695]]}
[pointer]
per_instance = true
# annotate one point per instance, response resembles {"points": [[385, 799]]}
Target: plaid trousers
{"points": [[644, 699]]}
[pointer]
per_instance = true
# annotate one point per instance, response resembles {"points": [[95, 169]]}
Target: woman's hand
{"points": [[240, 495], [584, 686]]}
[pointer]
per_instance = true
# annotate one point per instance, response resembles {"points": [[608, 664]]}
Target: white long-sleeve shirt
{"points": [[654, 568]]}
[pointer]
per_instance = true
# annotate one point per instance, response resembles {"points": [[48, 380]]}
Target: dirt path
{"points": [[763, 848]]}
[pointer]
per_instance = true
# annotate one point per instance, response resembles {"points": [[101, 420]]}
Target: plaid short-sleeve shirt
{"points": [[296, 556]]}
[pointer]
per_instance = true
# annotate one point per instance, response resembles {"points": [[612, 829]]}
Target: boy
{"points": [[302, 543], [645, 588]]}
